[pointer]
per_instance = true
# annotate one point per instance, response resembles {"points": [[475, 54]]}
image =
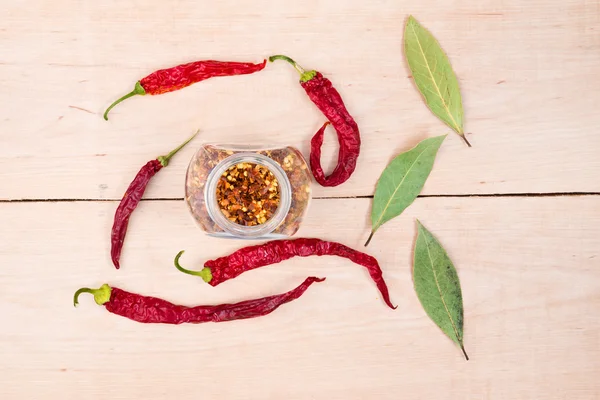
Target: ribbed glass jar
{"points": [[210, 165]]}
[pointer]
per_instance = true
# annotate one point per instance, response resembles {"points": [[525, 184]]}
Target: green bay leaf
{"points": [[437, 286], [402, 181], [433, 75]]}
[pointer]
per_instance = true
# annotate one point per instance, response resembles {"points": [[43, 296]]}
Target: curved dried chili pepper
{"points": [[180, 76], [148, 309], [251, 257], [329, 101], [131, 199]]}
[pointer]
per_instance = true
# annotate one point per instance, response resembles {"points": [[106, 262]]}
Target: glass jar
{"points": [[248, 191]]}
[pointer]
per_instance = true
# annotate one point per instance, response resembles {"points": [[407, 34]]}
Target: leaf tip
{"points": [[419, 224], [410, 21], [440, 138]]}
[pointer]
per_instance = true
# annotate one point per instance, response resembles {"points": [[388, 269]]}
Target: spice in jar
{"points": [[283, 167], [248, 194]]}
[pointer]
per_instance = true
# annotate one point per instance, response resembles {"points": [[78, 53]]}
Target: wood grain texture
{"points": [[530, 278], [528, 73], [529, 267]]}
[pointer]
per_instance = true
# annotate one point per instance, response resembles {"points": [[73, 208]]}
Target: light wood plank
{"points": [[528, 72], [529, 270]]}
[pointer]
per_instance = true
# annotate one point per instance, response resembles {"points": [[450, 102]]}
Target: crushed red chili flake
{"points": [[248, 194]]}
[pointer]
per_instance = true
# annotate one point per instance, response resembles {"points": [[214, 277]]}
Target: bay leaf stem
{"points": [[370, 237], [464, 352], [464, 137]]}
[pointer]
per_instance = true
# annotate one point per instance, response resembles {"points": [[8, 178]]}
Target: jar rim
{"points": [[245, 148], [285, 196]]}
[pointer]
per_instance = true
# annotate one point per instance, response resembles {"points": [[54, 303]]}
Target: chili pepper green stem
{"points": [[101, 295], [288, 59], [164, 160], [304, 75], [138, 89], [205, 273]]}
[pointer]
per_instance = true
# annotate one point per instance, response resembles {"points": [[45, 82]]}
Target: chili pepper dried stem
{"points": [[101, 295], [137, 90], [164, 160], [288, 59], [205, 273], [304, 74]]}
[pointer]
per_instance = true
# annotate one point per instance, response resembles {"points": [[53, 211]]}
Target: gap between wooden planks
{"points": [[551, 194]]}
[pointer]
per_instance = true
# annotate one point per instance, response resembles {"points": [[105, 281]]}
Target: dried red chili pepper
{"points": [[131, 199], [328, 100], [178, 77], [251, 257], [148, 309]]}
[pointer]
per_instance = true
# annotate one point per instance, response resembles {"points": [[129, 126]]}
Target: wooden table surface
{"points": [[519, 213]]}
